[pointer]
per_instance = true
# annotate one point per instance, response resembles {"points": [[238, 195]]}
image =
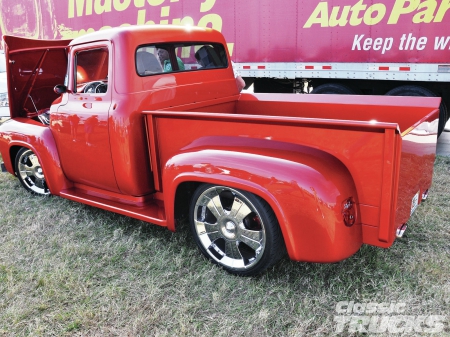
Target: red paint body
{"points": [[128, 150]]}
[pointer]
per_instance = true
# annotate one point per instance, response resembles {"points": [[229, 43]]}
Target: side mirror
{"points": [[60, 89]]}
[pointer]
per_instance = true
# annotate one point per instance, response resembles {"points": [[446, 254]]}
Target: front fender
{"points": [[305, 187], [23, 132]]}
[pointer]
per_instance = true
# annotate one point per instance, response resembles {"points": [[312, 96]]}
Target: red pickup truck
{"points": [[148, 122]]}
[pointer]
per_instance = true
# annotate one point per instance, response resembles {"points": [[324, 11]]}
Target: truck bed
{"points": [[387, 143]]}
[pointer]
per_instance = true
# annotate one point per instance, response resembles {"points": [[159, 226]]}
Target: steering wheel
{"points": [[95, 87]]}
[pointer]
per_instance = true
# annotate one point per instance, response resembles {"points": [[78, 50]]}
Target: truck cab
{"points": [[103, 82]]}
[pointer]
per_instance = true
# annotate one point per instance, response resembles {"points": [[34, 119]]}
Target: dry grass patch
{"points": [[67, 269]]}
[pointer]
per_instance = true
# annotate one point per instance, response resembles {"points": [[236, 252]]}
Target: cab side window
{"points": [[92, 71], [176, 57]]}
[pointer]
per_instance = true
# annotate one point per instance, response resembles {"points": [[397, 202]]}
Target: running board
{"points": [[152, 211]]}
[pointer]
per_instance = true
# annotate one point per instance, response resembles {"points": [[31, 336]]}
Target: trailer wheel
{"points": [[30, 173], [235, 229], [333, 88], [414, 90]]}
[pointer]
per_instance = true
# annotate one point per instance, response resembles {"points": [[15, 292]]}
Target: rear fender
{"points": [[23, 132], [305, 187]]}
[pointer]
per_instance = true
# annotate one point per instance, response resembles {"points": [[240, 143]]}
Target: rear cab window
{"points": [[176, 57]]}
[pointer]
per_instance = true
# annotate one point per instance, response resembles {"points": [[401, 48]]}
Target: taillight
{"points": [[349, 212]]}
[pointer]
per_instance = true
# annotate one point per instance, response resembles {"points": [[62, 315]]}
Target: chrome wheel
{"points": [[30, 173], [231, 227]]}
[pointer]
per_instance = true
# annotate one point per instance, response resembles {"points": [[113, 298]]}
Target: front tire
{"points": [[235, 229], [30, 173]]}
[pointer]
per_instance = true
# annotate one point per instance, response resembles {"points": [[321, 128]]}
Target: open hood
{"points": [[33, 69]]}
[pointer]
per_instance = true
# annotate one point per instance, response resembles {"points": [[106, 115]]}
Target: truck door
{"points": [[80, 125]]}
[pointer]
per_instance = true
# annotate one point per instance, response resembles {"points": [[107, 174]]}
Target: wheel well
{"points": [[183, 198], [13, 153]]}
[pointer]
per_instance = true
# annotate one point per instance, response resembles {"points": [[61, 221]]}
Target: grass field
{"points": [[67, 269]]}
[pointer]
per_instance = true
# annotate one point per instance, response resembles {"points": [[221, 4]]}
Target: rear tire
{"points": [[414, 90], [235, 229]]}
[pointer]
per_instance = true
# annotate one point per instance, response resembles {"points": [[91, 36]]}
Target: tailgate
{"points": [[416, 165]]}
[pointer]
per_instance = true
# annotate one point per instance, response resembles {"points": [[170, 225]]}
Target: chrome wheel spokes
{"points": [[229, 227], [30, 172]]}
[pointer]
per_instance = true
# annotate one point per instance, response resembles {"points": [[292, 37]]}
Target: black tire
{"points": [[235, 229], [30, 173], [415, 90], [334, 88]]}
